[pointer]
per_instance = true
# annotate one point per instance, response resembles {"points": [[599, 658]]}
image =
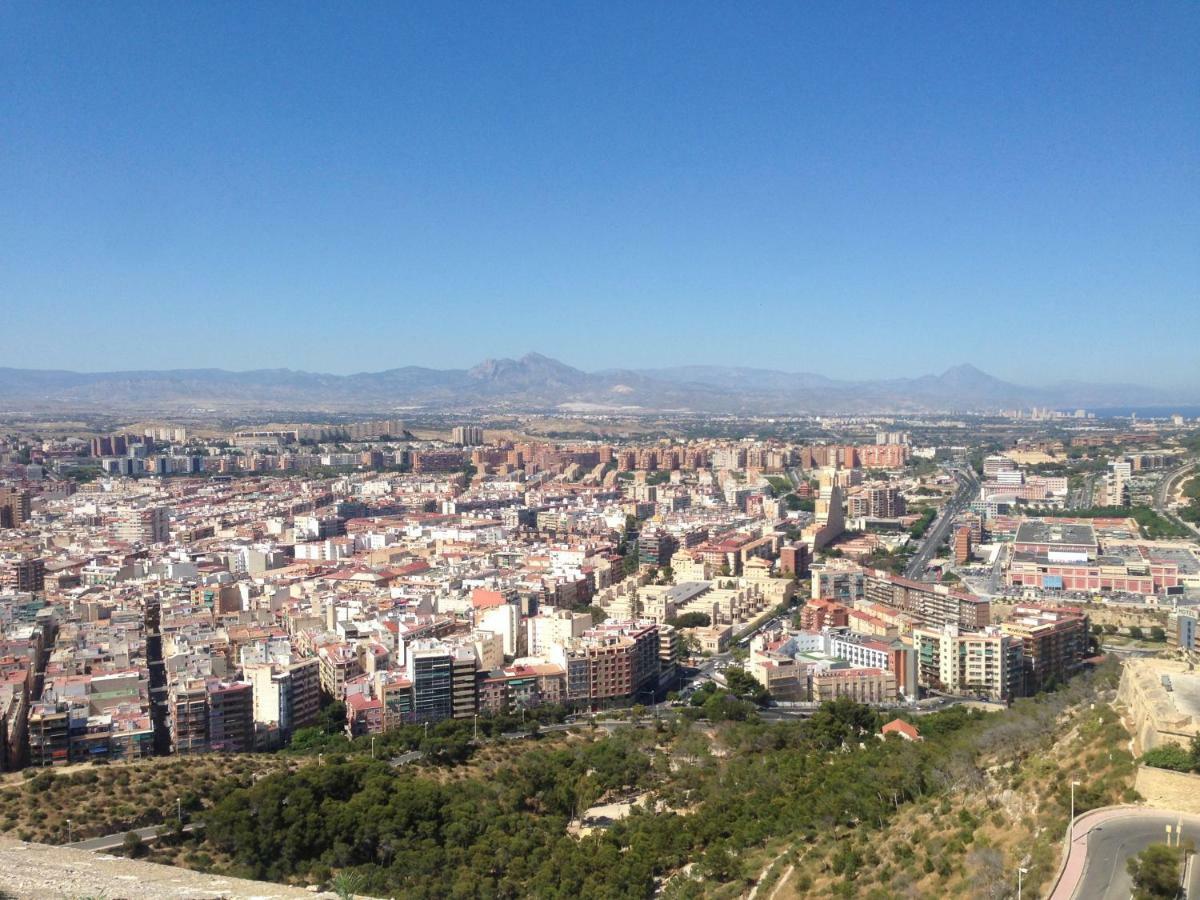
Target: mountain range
{"points": [[538, 383]]}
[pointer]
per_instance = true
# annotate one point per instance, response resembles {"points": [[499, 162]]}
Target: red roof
{"points": [[482, 598], [902, 728]]}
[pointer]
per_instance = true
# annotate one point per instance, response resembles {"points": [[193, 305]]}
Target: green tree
{"points": [[133, 846], [1193, 752], [1135, 632], [744, 685], [332, 717], [1157, 633], [1155, 872]]}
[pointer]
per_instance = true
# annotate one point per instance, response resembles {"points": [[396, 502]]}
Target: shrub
{"points": [[1168, 756]]}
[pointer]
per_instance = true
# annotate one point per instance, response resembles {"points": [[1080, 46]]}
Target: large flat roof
{"points": [[1051, 533]]}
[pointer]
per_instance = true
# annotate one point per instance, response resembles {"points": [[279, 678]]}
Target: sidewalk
{"points": [[1071, 871]]}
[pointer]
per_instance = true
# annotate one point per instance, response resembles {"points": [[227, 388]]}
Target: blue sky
{"points": [[853, 189]]}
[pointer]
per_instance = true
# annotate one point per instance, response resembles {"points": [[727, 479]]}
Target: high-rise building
{"points": [[143, 524], [462, 681], [187, 708], [1183, 629], [286, 696], [554, 626], [15, 507], [656, 547], [962, 544], [985, 663], [431, 670], [467, 435], [1054, 643], [886, 503], [230, 716], [23, 573]]}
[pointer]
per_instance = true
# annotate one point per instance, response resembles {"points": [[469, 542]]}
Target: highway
{"points": [[1103, 841], [968, 486]]}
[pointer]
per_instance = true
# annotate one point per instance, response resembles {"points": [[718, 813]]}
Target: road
{"points": [[1102, 841], [1163, 494], [968, 486], [997, 571], [115, 841], [405, 758], [1082, 498]]}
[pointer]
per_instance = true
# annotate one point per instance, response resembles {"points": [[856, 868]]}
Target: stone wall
{"points": [[1154, 717], [1164, 789]]}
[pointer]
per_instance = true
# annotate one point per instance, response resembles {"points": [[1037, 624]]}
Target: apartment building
{"points": [[839, 580], [962, 544], [23, 574], [929, 605], [554, 626], [985, 663], [15, 507], [187, 715], [819, 613], [230, 716], [1054, 642], [467, 435], [143, 524], [886, 503], [613, 661]]}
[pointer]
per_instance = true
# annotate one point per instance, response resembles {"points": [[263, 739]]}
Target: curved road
{"points": [[1162, 495], [1102, 841]]}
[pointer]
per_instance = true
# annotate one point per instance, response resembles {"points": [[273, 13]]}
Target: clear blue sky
{"points": [[854, 189]]}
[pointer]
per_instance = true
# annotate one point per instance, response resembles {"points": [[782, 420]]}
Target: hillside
{"points": [[722, 809]]}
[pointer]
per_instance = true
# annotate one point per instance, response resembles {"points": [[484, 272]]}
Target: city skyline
{"points": [[1012, 187]]}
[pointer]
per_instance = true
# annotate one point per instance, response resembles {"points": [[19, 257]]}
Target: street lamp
{"points": [[1020, 872], [1168, 835], [1074, 784], [372, 746], [320, 759], [69, 831], [475, 719], [179, 810]]}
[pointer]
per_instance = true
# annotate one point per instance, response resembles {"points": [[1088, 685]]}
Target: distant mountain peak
{"points": [[968, 376], [537, 381], [965, 369]]}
